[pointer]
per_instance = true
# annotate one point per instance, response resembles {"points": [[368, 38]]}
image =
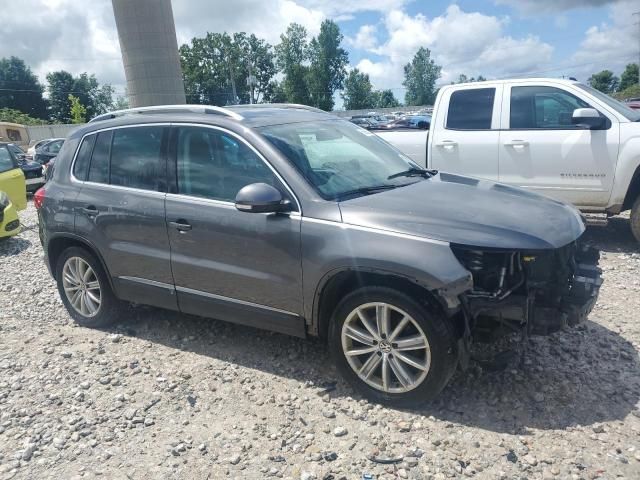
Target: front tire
{"points": [[85, 290], [635, 219], [390, 347]]}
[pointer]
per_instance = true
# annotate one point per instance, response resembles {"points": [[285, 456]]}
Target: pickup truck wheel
{"points": [[635, 219], [85, 290], [390, 347]]}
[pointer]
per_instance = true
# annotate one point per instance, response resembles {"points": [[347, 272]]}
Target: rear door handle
{"points": [[181, 225], [90, 211], [447, 144]]}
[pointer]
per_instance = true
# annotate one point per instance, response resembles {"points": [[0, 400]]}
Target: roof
{"points": [[252, 115], [524, 79]]}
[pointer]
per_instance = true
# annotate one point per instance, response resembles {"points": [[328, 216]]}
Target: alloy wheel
{"points": [[81, 286], [386, 347]]}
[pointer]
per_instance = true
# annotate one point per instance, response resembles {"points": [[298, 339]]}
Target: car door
{"points": [[466, 139], [227, 264], [12, 179], [120, 209], [541, 150]]}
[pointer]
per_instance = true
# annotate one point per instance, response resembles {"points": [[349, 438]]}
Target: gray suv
{"points": [[286, 218]]}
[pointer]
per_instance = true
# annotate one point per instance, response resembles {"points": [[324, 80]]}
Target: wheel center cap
{"points": [[384, 346]]}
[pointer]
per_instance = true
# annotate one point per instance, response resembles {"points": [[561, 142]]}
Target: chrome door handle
{"points": [[181, 225], [517, 144], [447, 144]]}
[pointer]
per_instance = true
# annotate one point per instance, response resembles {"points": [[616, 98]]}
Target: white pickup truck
{"points": [[557, 137]]}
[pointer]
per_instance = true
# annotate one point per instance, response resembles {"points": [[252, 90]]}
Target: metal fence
{"points": [[39, 132]]}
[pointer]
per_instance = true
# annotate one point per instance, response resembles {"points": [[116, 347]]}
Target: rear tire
{"points": [[419, 358], [635, 219], [85, 289]]}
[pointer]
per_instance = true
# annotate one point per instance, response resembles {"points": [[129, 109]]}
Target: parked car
{"points": [[33, 171], [634, 103], [31, 151], [48, 151], [363, 122], [13, 195], [287, 218], [14, 133], [556, 137], [412, 122]]}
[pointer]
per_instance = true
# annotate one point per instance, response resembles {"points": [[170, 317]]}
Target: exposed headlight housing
{"points": [[4, 201]]}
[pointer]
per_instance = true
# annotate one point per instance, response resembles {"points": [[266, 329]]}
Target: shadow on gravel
{"points": [[582, 376], [13, 246], [615, 237]]}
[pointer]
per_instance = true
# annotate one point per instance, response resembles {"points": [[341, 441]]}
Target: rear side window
{"points": [[81, 166], [136, 160], [99, 168], [14, 135], [471, 109]]}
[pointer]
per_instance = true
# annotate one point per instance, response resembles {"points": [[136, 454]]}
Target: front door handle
{"points": [[90, 210], [181, 225], [517, 144]]}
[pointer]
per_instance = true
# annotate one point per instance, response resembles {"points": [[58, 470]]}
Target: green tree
{"points": [[97, 99], [358, 91], [121, 102], [420, 76], [328, 65], [605, 81], [16, 116], [216, 68], [386, 99], [78, 111], [629, 77], [462, 78], [20, 88], [291, 56]]}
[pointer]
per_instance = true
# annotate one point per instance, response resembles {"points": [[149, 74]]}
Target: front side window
{"points": [[99, 168], [339, 159], [6, 161], [136, 159], [212, 164], [539, 107], [471, 109], [54, 147]]}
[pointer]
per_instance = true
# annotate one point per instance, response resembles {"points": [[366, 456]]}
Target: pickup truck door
{"points": [[541, 150], [465, 133]]}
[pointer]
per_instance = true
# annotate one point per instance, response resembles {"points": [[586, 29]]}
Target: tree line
{"points": [[625, 86], [69, 99]]}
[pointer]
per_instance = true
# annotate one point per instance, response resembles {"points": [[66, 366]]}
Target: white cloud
{"points": [[610, 45], [365, 38], [462, 42], [546, 6]]}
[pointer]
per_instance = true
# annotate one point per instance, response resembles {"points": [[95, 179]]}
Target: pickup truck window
{"points": [[6, 162], [540, 107], [471, 109]]}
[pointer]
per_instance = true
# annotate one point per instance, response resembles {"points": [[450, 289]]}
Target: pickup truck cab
{"points": [[557, 137]]}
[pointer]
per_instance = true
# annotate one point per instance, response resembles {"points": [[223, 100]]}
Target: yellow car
{"points": [[13, 193]]}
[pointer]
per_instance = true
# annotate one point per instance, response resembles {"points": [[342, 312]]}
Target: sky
{"points": [[493, 38]]}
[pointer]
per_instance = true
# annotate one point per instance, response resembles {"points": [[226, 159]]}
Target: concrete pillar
{"points": [[147, 35]]}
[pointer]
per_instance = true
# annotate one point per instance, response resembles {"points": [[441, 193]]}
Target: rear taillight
{"points": [[38, 198]]}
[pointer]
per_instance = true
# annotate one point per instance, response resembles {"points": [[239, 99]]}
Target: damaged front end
{"points": [[532, 292]]}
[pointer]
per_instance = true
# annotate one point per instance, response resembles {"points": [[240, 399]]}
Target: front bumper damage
{"points": [[553, 290]]}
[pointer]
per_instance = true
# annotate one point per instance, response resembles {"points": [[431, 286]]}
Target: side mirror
{"points": [[261, 198], [587, 118]]}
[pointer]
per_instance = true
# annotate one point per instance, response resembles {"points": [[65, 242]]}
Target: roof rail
{"points": [[278, 105], [168, 109]]}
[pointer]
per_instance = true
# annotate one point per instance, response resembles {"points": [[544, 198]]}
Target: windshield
{"points": [[619, 107], [338, 158]]}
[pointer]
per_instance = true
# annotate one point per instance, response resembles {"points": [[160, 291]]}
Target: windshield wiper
{"points": [[414, 172], [366, 190]]}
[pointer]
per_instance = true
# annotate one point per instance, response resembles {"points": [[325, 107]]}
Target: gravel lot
{"points": [[164, 395]]}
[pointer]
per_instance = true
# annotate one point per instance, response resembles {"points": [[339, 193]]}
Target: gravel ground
{"points": [[164, 395]]}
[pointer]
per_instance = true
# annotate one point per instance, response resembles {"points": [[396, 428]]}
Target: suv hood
{"points": [[468, 211]]}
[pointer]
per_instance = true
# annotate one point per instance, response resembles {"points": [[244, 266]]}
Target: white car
{"points": [[556, 137]]}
